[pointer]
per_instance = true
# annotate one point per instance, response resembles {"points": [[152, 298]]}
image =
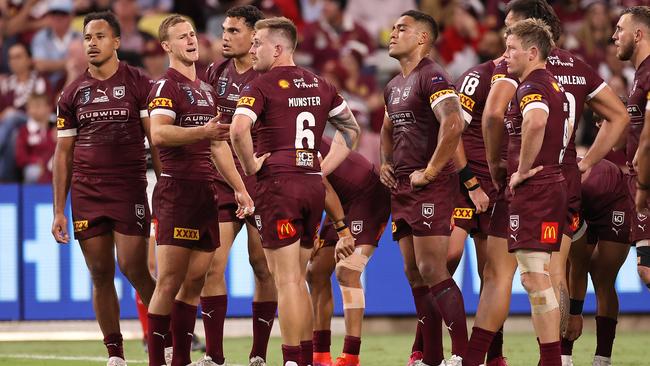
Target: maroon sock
{"points": [[306, 353], [449, 299], [551, 354], [566, 346], [322, 341], [183, 320], [263, 316], [430, 321], [213, 312], [418, 342], [477, 347], [114, 345], [352, 345], [157, 334], [496, 347], [290, 353], [605, 333]]}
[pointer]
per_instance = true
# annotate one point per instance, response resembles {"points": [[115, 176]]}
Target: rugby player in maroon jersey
{"points": [[102, 122], [184, 126], [289, 107]]}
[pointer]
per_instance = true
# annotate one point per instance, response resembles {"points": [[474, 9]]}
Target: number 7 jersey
{"points": [[289, 107]]}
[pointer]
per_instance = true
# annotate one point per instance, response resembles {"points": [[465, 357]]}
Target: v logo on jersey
{"points": [[285, 229]]}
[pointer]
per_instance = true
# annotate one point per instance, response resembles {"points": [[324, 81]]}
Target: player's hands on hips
{"points": [[419, 178], [245, 205], [519, 177], [258, 161], [60, 229], [584, 173], [480, 200], [641, 201], [574, 327], [344, 247], [387, 175]]}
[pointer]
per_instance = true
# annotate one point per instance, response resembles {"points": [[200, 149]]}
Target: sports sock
{"points": [[351, 345], [550, 354], [306, 353], [430, 321], [290, 353], [213, 312], [496, 347], [114, 345], [449, 299], [263, 316], [322, 341], [157, 334], [478, 345], [183, 320], [605, 333]]}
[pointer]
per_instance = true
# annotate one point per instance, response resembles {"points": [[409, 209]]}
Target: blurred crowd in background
{"points": [[343, 40]]}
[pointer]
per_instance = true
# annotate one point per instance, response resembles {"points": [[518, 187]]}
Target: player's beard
{"points": [[99, 62], [625, 51]]}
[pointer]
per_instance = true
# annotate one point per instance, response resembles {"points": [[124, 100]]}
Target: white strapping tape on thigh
{"points": [[533, 261], [353, 298], [580, 233], [354, 262], [543, 301], [643, 243]]}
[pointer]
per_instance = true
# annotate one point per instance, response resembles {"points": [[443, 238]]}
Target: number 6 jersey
{"points": [[289, 107]]}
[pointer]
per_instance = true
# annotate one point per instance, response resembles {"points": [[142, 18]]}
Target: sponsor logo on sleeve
{"points": [[435, 96], [305, 158], [356, 227], [549, 232], [60, 122], [427, 210], [285, 229], [246, 101], [283, 84], [496, 77], [186, 234], [161, 102], [529, 99], [437, 79], [463, 213], [467, 102], [80, 225]]}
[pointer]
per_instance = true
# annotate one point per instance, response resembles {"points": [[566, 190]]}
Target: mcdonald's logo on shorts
{"points": [[80, 225], [285, 229], [186, 234], [549, 232]]}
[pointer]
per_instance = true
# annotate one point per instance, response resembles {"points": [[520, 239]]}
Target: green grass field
{"points": [[520, 348]]}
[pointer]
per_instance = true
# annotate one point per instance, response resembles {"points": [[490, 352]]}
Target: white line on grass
{"points": [[71, 358]]}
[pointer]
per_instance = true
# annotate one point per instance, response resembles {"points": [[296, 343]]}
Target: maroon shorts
{"points": [[499, 215], [640, 223], [289, 208], [186, 213], [366, 216], [610, 224], [464, 214], [227, 204], [100, 205], [426, 211], [573, 219], [537, 215]]}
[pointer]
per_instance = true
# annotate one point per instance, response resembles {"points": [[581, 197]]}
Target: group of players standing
{"points": [[520, 199]]}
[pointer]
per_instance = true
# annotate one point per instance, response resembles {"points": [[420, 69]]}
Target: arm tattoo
{"points": [[447, 108], [345, 123]]}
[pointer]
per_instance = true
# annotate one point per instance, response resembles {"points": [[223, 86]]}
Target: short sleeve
{"points": [[143, 87], [251, 102], [39, 49], [162, 99], [338, 103], [437, 88], [594, 82], [500, 73], [66, 120], [531, 96]]}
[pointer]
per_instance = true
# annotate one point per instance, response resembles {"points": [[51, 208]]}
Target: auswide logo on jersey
{"points": [[186, 234]]}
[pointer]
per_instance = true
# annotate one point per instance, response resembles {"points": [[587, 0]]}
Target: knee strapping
{"points": [[643, 255], [533, 262], [353, 297], [355, 262], [543, 301]]}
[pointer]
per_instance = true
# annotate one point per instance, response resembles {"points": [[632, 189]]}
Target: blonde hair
{"points": [[170, 21], [533, 32], [282, 26]]}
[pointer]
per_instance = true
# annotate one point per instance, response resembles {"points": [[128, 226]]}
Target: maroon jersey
{"points": [[473, 92], [637, 104], [353, 177], [409, 104], [228, 83], [190, 104], [540, 90], [105, 116], [289, 107]]}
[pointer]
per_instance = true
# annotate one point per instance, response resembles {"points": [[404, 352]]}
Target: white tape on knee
{"points": [[543, 301], [533, 261], [643, 243], [354, 262], [353, 298]]}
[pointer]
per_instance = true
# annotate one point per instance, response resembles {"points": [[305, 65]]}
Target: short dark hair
{"points": [[249, 13], [281, 25], [170, 21], [24, 46], [537, 9], [107, 16], [639, 14], [533, 32], [342, 4], [425, 18]]}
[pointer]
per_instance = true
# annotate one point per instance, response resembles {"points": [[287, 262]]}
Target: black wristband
{"points": [[474, 187], [341, 228], [575, 307], [465, 174], [641, 186]]}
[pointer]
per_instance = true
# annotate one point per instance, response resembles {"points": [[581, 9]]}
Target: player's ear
{"points": [[165, 46], [116, 43], [533, 52], [278, 50]]}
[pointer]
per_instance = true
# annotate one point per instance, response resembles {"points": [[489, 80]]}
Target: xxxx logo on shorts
{"points": [[186, 234], [161, 102], [549, 232], [285, 229], [463, 213], [80, 225]]}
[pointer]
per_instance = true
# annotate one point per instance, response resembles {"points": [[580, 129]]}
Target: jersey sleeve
{"points": [[163, 99], [437, 87], [532, 96], [66, 120], [143, 85], [500, 73], [338, 103], [594, 82], [251, 102]]}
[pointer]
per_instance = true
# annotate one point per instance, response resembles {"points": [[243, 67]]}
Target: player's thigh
{"points": [[284, 263], [480, 245], [99, 255], [199, 262], [608, 260], [500, 264], [173, 262], [227, 233], [256, 255], [431, 249], [321, 265], [132, 251]]}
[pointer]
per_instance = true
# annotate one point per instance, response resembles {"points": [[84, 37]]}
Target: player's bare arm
{"points": [[387, 173], [532, 137], [643, 167], [334, 209], [242, 143], [164, 133], [493, 127], [347, 132], [155, 155], [62, 174], [480, 200], [223, 160], [616, 119], [448, 112]]}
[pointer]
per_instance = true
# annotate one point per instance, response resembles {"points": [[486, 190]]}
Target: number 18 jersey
{"points": [[289, 107]]}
